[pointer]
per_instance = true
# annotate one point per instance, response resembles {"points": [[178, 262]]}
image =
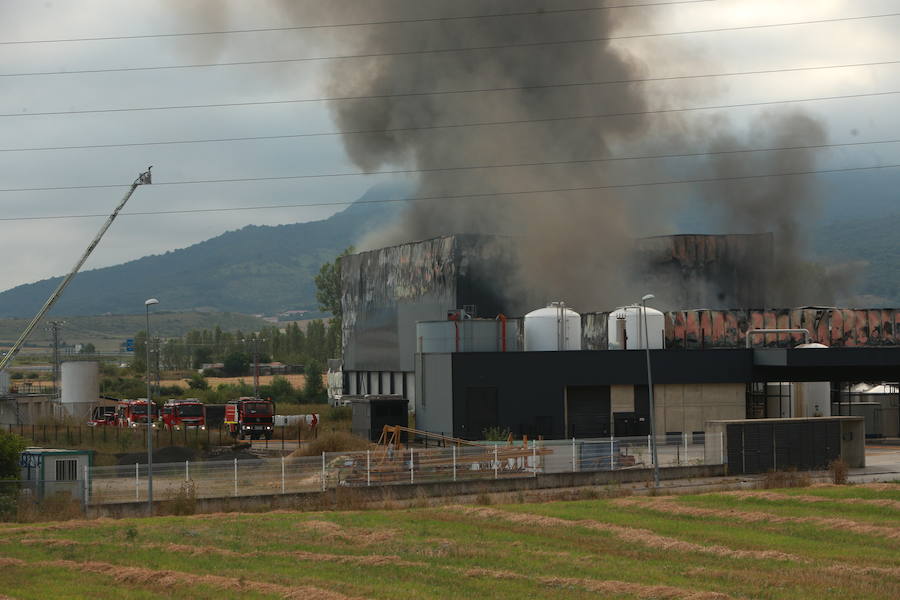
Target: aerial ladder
{"points": [[142, 179]]}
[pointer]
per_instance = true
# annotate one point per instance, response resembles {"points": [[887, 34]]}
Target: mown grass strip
{"points": [[656, 514]]}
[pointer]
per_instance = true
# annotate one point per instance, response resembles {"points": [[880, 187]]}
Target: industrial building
{"points": [[428, 321]]}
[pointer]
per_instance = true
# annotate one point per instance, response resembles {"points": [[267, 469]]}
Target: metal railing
{"points": [[287, 475]]}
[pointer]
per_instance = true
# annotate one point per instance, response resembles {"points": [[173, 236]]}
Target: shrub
{"points": [[839, 469], [495, 434], [785, 479], [339, 441]]}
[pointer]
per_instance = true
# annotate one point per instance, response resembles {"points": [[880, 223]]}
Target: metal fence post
{"points": [[323, 470], [454, 462], [412, 473], [87, 486], [534, 457], [496, 462], [722, 446], [612, 466], [137, 483], [282, 473], [685, 436], [187, 470], [650, 450], [368, 467], [235, 477], [573, 455]]}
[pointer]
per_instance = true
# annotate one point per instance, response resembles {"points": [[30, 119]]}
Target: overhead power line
{"points": [[452, 92], [464, 168], [522, 13], [448, 126], [449, 50], [223, 209]]}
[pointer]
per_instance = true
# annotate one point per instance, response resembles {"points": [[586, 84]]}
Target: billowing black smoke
{"points": [[573, 245]]}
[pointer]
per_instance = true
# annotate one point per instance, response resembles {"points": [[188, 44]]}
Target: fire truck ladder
{"points": [[142, 179]]}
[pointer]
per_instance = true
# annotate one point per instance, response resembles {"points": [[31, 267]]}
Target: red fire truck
{"points": [[131, 413], [250, 417], [188, 413]]}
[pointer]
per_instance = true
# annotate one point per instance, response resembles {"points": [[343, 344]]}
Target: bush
{"points": [[11, 446], [17, 375], [496, 434], [785, 479], [198, 382], [839, 469], [338, 413], [339, 441]]}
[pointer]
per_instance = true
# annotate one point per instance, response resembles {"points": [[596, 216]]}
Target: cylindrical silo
{"points": [[812, 398], [626, 328], [80, 387], [552, 328]]}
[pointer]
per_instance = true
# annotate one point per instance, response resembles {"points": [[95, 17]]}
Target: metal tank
{"points": [[4, 382], [812, 398], [626, 328], [552, 328], [80, 387]]}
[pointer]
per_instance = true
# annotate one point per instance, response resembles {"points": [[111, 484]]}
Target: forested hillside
{"points": [[255, 270]]}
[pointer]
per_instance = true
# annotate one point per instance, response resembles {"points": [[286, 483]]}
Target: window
{"points": [[66, 470]]}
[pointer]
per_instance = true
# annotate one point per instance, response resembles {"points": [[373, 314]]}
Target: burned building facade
{"points": [[707, 271], [385, 292]]}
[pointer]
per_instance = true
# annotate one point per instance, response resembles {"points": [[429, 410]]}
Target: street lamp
{"points": [[655, 458], [147, 305]]}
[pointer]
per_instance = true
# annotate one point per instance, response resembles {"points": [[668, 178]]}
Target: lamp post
{"points": [[147, 305], [655, 458]]}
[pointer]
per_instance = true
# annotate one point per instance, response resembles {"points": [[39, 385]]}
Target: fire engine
{"points": [[186, 413], [250, 417], [131, 413]]}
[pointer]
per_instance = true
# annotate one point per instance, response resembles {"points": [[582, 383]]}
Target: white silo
{"points": [[4, 381], [80, 387], [552, 328], [812, 398], [625, 327]]}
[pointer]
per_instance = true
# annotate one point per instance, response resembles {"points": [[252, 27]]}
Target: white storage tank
{"points": [[552, 328], [812, 398], [80, 387], [626, 328], [4, 381]]}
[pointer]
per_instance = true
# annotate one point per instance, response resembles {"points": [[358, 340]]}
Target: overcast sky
{"points": [[36, 249]]}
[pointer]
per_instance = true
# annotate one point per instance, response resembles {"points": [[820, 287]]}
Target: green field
{"points": [[815, 543]]}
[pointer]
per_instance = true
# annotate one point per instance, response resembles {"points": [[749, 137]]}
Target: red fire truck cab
{"points": [[188, 413], [131, 413], [250, 417]]}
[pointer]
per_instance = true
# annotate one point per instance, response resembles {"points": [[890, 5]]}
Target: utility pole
{"points": [[157, 346]]}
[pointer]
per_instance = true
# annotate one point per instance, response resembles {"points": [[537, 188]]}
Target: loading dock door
{"points": [[587, 411], [481, 412]]}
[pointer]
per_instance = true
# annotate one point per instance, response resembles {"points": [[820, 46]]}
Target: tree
{"points": [[88, 348], [11, 446], [198, 382], [328, 285], [314, 389], [236, 364]]}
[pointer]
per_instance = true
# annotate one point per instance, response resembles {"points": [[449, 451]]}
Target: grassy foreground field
{"points": [[815, 543]]}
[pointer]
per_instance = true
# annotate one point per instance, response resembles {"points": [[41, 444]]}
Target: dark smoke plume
{"points": [[576, 245]]}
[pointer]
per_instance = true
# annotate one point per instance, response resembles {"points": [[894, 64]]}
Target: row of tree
{"points": [[318, 341]]}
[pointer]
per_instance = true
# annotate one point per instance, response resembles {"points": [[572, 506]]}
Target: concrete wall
{"points": [[334, 498], [687, 407], [434, 394]]}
